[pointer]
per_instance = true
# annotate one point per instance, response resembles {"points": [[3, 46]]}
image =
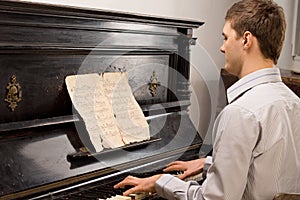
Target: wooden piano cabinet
{"points": [[40, 133], [292, 80]]}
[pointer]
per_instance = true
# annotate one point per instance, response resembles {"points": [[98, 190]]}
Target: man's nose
{"points": [[222, 49]]}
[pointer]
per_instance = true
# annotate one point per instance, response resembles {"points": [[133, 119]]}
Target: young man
{"points": [[256, 151]]}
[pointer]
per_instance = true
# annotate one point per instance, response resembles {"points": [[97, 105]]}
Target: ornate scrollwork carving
{"points": [[14, 93], [154, 83]]}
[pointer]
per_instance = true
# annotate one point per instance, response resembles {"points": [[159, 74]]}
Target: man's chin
{"points": [[227, 68]]}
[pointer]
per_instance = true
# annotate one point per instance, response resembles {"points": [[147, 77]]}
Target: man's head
{"points": [[263, 20]]}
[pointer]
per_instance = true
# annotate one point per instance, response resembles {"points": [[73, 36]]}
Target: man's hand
{"points": [[189, 168], [139, 184]]}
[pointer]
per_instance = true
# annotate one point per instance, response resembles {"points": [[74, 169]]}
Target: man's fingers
{"points": [[175, 167], [120, 185], [174, 163], [132, 191], [129, 180], [139, 184], [182, 176]]}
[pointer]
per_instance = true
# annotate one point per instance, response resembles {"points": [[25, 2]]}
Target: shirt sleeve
{"points": [[172, 188], [236, 133], [208, 160], [207, 164]]}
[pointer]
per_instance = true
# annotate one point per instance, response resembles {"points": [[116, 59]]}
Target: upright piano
{"points": [[44, 149]]}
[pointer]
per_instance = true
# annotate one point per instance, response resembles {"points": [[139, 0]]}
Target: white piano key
{"points": [[139, 196]]}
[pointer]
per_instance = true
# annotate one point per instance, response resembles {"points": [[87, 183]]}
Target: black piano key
{"points": [[102, 193], [90, 195], [78, 197], [119, 191], [95, 194]]}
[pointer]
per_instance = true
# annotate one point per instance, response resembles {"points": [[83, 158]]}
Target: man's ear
{"points": [[247, 39]]}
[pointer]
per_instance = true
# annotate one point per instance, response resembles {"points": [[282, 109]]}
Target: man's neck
{"points": [[255, 65]]}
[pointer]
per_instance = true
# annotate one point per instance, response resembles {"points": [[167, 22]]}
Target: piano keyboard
{"points": [[197, 177], [139, 196], [144, 195], [97, 191]]}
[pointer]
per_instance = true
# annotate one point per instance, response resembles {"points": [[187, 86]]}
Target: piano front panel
{"points": [[46, 95]]}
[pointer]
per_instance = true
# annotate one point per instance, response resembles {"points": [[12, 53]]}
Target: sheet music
{"points": [[110, 112], [129, 116]]}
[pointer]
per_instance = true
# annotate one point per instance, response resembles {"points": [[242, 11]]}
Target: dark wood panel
{"points": [[42, 79], [16, 36], [24, 19]]}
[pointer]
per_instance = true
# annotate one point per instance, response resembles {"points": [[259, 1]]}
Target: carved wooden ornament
{"points": [[14, 93], [154, 83]]}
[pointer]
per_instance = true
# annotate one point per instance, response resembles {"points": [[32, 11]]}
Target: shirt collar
{"points": [[251, 80]]}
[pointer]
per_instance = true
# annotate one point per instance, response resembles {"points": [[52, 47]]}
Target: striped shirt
{"points": [[256, 150]]}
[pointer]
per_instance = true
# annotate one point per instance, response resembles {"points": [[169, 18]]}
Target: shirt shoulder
{"points": [[265, 95]]}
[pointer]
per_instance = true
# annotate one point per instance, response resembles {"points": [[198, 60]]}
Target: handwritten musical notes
{"points": [[111, 114]]}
